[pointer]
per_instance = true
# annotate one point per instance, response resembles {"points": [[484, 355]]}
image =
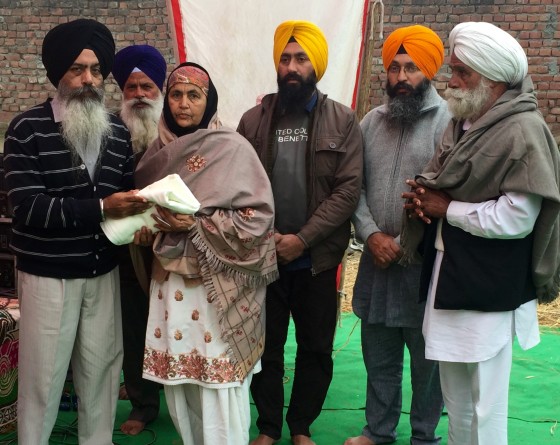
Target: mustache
{"points": [[404, 86], [148, 105], [292, 76], [87, 92], [456, 94], [149, 102]]}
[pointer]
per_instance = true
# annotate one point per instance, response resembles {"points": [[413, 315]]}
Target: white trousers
{"points": [[76, 320], [476, 398], [205, 416]]}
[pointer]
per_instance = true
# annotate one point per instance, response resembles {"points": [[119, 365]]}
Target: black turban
{"points": [[144, 57], [64, 43]]}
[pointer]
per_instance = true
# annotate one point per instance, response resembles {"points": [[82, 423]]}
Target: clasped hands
{"points": [[425, 203]]}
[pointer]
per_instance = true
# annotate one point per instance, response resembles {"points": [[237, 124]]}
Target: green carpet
{"points": [[533, 413]]}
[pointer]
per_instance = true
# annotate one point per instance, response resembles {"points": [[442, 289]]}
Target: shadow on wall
{"points": [[3, 128]]}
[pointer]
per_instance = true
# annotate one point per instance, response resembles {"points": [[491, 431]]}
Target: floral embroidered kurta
{"points": [[183, 341]]}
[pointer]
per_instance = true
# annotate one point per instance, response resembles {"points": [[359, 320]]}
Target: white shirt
{"points": [[474, 336]]}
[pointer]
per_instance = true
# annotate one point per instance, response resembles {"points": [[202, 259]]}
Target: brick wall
{"points": [[535, 23], [23, 25]]}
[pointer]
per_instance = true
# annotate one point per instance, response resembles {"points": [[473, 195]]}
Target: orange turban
{"points": [[311, 39], [422, 44]]}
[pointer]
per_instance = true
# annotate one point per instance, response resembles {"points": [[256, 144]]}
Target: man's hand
{"points": [[384, 249], [121, 204], [288, 247], [425, 203]]}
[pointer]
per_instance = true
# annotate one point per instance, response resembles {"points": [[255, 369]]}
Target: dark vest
{"points": [[480, 274]]}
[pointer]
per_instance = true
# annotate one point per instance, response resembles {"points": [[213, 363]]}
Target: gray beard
{"points": [[142, 123], [468, 104], [405, 109], [85, 123]]}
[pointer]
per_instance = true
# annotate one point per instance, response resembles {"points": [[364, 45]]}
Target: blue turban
{"points": [[144, 57]]}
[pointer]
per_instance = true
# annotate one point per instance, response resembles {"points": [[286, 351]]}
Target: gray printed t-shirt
{"points": [[288, 175]]}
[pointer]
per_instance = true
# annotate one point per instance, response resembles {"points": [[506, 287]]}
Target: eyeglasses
{"points": [[409, 68]]}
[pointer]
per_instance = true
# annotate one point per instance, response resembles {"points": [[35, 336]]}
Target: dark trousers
{"points": [[383, 351], [312, 302], [143, 394]]}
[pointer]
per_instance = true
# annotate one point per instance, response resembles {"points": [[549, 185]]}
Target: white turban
{"points": [[489, 51]]}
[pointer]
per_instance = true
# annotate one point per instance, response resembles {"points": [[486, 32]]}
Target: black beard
{"points": [[294, 97], [405, 109]]}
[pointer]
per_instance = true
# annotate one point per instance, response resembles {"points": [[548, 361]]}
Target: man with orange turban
{"points": [[400, 137], [311, 147]]}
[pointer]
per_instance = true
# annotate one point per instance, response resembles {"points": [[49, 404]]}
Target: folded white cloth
{"points": [[170, 192]]}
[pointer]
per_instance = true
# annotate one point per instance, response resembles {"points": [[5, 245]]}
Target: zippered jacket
{"points": [[334, 172]]}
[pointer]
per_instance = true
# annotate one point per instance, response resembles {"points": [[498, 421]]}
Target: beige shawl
{"points": [[231, 248]]}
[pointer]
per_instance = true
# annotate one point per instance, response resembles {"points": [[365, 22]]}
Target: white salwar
{"points": [[473, 347], [207, 402], [210, 416]]}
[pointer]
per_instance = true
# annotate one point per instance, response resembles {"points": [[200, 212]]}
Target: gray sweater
{"points": [[392, 154]]}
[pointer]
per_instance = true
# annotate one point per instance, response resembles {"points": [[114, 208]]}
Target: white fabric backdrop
{"points": [[233, 40]]}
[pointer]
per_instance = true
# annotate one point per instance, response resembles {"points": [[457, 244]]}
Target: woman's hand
{"points": [[143, 237], [167, 221]]}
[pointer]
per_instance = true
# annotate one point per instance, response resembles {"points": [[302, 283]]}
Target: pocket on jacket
{"points": [[327, 154]]}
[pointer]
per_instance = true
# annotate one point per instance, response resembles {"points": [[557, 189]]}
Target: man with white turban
{"points": [[400, 138], [140, 72], [68, 165], [311, 148], [487, 205]]}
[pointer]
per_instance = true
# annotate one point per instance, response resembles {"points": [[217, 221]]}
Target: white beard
{"points": [[142, 122], [85, 122], [468, 104]]}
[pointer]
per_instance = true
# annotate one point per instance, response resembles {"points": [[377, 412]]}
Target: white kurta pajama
{"points": [[502, 174], [473, 347]]}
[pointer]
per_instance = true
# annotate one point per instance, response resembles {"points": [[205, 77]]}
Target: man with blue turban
{"points": [[69, 164], [487, 207], [140, 71], [311, 147]]}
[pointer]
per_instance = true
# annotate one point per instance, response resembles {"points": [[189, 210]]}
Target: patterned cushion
{"points": [[9, 345]]}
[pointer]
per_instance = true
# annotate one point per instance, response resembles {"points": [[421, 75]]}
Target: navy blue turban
{"points": [[144, 57], [65, 42]]}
